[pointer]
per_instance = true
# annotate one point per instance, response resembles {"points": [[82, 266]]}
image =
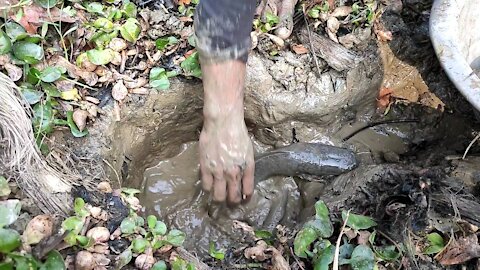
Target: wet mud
{"points": [[153, 146]]}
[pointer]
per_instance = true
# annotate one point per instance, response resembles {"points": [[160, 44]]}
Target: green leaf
{"points": [[47, 3], [104, 24], [73, 127], [358, 222], [6, 266], [54, 261], [139, 245], [9, 212], [130, 9], [160, 265], [387, 253], [51, 74], [130, 192], [314, 13], [130, 30], [304, 238], [321, 224], [191, 66], [128, 225], [175, 238], [271, 18], [79, 207], [4, 188], [263, 234], [436, 243], [123, 259], [216, 254], [191, 40], [362, 258], [159, 79], [43, 117], [160, 228], [102, 39], [151, 221], [33, 75], [94, 7], [345, 253], [100, 57], [324, 256], [163, 42], [24, 262], [84, 241], [74, 224], [29, 52], [9, 240], [50, 90], [160, 84], [180, 264], [15, 31], [5, 43]]}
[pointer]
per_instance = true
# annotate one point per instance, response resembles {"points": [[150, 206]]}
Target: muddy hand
{"points": [[226, 151], [284, 9]]}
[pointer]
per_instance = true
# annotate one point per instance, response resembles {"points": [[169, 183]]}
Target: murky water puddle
{"points": [[172, 191]]}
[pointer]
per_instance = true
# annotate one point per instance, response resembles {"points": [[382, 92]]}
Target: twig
{"points": [[339, 240], [310, 41], [115, 171], [295, 257], [390, 239], [199, 265], [452, 238], [470, 145], [247, 265]]}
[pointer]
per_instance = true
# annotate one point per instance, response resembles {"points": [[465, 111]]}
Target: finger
{"points": [[219, 187], [234, 186], [248, 181], [207, 177]]}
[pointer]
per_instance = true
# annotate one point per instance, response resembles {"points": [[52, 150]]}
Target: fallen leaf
{"points": [[140, 91], [257, 253], [139, 82], [299, 49], [37, 229], [80, 119], [278, 261], [13, 71], [342, 11], [75, 72], [363, 237], [119, 91], [92, 100], [184, 2], [384, 97], [382, 34], [34, 16], [460, 251], [118, 44], [71, 94]]}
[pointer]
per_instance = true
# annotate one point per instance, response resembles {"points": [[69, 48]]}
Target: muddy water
{"points": [[168, 193]]}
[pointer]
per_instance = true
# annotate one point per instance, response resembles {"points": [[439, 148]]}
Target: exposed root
{"points": [[46, 181]]}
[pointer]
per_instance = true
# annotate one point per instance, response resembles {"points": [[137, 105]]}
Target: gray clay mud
{"points": [[172, 191]]}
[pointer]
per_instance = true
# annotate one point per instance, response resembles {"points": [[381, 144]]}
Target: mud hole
{"points": [[413, 165]]}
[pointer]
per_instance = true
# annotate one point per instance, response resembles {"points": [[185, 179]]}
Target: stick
{"points": [[337, 246], [199, 265], [470, 145], [310, 41]]}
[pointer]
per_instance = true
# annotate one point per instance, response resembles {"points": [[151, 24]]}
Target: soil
{"points": [[416, 164]]}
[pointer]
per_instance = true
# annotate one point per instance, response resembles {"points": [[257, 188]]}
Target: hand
{"points": [[226, 151]]}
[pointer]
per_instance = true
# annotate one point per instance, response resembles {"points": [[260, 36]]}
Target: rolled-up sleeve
{"points": [[222, 29]]}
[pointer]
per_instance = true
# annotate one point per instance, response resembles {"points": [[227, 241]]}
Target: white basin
{"points": [[455, 34]]}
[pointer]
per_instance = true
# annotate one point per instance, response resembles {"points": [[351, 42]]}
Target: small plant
{"points": [[312, 242], [271, 21]]}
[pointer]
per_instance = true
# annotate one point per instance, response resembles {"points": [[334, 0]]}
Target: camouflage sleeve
{"points": [[222, 28]]}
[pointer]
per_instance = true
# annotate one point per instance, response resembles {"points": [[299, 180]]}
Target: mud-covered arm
{"points": [[222, 29]]}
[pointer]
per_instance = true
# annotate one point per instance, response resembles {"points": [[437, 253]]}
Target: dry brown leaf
{"points": [[139, 82], [278, 261], [384, 97], [14, 72], [104, 187], [34, 16], [460, 250], [299, 49], [140, 91], [119, 91], [342, 11], [257, 253], [75, 72], [187, 54], [382, 33], [117, 44], [184, 2], [363, 237], [80, 119]]}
